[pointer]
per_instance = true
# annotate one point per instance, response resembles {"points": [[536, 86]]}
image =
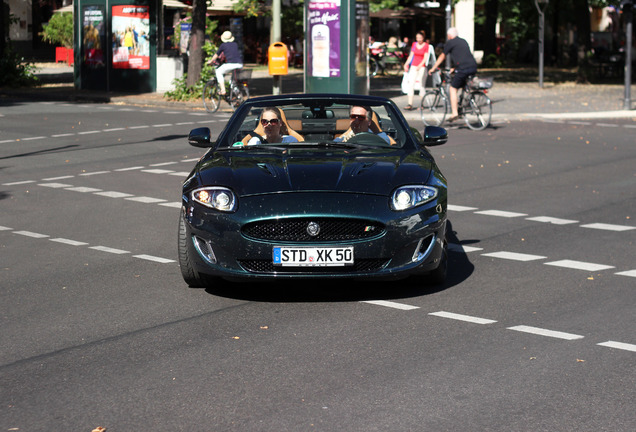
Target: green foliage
{"points": [[15, 72], [182, 91], [491, 61], [59, 30]]}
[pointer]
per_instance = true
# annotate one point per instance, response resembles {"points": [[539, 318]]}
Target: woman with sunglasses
{"points": [[275, 129]]}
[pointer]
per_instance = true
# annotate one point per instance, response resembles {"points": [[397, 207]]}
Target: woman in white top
{"points": [[275, 129]]}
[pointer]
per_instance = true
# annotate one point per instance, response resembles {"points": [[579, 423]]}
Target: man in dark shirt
{"points": [[463, 62], [233, 58]]}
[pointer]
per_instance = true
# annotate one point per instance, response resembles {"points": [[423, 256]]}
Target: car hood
{"points": [[376, 171]]}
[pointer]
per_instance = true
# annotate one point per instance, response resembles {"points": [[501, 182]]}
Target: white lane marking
{"points": [[130, 168], [82, 189], [454, 247], [62, 135], [94, 173], [89, 132], [163, 164], [32, 138], [184, 123], [190, 160], [198, 114], [579, 265], [147, 200], [4, 228], [514, 256], [9, 141], [500, 213], [58, 178], [180, 174], [109, 250], [460, 317], [162, 125], [139, 127], [607, 125], [619, 345], [176, 204], [390, 304], [18, 183], [583, 123], [545, 332], [69, 242], [458, 208], [31, 234], [630, 273], [113, 194], [173, 112], [55, 185], [552, 220], [630, 126], [154, 258], [114, 129], [157, 171], [608, 227]]}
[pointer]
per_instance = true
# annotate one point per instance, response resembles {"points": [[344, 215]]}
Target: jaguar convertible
{"points": [[321, 186]]}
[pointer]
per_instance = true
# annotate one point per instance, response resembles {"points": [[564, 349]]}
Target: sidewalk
{"points": [[511, 100]]}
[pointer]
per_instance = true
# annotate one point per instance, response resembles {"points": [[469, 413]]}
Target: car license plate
{"points": [[313, 256]]}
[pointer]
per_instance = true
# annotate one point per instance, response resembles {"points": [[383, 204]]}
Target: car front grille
{"points": [[296, 230], [267, 267]]}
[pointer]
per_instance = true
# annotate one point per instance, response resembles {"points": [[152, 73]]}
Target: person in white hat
{"points": [[228, 50]]}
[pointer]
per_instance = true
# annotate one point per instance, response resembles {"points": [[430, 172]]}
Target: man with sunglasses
{"points": [[361, 118]]}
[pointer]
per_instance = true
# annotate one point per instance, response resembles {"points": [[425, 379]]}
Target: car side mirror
{"points": [[434, 136], [200, 137]]}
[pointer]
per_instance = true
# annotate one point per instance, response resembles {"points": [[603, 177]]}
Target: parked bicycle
{"points": [[386, 61], [236, 91], [473, 104]]}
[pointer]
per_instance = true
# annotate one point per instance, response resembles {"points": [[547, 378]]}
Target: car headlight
{"points": [[218, 198], [406, 197]]}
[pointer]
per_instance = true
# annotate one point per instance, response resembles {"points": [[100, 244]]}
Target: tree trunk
{"points": [[197, 39]]}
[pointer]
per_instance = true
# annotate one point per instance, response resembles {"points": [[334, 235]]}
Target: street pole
{"points": [[276, 37], [541, 35], [448, 25], [627, 9]]}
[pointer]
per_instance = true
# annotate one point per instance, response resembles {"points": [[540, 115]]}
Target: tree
{"points": [[197, 39]]}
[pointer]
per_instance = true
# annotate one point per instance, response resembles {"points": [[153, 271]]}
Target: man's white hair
{"points": [[452, 32]]}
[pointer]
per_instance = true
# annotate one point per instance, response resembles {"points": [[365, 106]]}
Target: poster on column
{"points": [[323, 54], [131, 42], [94, 36]]}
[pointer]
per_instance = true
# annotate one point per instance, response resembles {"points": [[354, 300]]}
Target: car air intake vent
{"points": [[266, 266], [312, 230]]}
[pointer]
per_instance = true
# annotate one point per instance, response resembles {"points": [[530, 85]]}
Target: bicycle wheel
{"points": [[238, 95], [373, 67], [434, 107], [478, 111], [211, 97]]}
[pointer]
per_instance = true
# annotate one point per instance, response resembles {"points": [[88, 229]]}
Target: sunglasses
{"points": [[265, 122], [357, 117]]}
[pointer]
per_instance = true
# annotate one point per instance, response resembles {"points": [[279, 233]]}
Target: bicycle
{"points": [[235, 93], [472, 102]]}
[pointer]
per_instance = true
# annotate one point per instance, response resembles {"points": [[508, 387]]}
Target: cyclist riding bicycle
{"points": [[463, 62], [233, 59]]}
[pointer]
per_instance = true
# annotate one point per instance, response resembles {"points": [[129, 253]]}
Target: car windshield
{"points": [[314, 122]]}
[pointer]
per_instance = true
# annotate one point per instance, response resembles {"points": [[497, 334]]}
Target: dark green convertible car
{"points": [[314, 186]]}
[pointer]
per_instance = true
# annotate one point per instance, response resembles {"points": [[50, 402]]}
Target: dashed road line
{"points": [[608, 227], [113, 194], [500, 213], [31, 234], [579, 265], [545, 332], [145, 199], [390, 304], [552, 220], [619, 345], [460, 317], [630, 273], [109, 250], [154, 259], [514, 256], [69, 242]]}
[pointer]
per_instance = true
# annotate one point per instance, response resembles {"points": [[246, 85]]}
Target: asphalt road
{"points": [[534, 330]]}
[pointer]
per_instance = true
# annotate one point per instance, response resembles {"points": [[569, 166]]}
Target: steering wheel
{"points": [[367, 138]]}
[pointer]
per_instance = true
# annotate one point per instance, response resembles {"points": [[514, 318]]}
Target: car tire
{"points": [[193, 278]]}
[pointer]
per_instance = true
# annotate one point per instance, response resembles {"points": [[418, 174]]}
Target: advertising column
{"points": [[336, 38]]}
